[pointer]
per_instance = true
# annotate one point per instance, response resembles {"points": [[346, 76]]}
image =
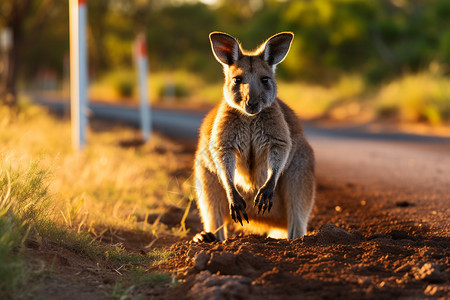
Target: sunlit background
{"points": [[350, 59]]}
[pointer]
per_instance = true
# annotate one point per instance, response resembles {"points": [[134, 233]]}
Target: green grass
{"points": [[23, 202], [141, 277], [121, 292]]}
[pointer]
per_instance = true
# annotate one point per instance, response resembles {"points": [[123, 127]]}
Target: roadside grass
{"points": [[316, 101], [416, 98], [75, 200], [23, 211], [12, 232], [165, 88]]}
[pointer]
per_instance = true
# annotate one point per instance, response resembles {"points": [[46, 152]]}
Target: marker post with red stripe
{"points": [[142, 70], [78, 72]]}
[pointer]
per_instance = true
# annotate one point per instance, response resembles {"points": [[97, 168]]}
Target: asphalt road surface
{"points": [[390, 170]]}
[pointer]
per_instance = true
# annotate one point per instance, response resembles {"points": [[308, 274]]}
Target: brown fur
{"points": [[252, 147]]}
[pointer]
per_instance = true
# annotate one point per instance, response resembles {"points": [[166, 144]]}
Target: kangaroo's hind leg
{"points": [[298, 189], [212, 203]]}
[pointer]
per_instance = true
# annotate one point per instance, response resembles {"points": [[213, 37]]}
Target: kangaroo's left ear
{"points": [[277, 47]]}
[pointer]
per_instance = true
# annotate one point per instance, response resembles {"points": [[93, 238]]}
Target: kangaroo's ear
{"points": [[277, 47], [225, 48]]}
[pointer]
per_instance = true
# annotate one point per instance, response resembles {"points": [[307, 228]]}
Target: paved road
{"points": [[388, 167]]}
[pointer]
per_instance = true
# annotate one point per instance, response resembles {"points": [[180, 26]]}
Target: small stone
{"points": [[431, 290], [193, 250], [364, 281], [399, 235], [217, 248], [200, 260], [430, 273], [330, 233], [403, 204], [436, 290]]}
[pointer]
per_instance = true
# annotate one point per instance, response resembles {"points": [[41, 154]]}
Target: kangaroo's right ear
{"points": [[225, 48]]}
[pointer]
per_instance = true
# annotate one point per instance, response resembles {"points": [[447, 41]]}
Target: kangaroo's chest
{"points": [[252, 147]]}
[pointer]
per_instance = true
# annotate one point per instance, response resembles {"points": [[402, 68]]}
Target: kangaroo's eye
{"points": [[237, 80], [265, 80]]}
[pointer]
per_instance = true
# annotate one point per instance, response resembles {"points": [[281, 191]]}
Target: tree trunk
{"points": [[9, 90], [15, 21]]}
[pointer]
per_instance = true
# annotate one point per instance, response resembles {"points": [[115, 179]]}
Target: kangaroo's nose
{"points": [[252, 102]]}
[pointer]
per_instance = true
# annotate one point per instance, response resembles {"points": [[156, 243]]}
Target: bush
{"points": [[421, 97]]}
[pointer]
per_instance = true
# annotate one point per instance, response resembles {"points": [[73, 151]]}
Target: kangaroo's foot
{"points": [[206, 237]]}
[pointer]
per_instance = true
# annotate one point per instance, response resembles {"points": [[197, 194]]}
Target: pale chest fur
{"points": [[252, 156], [251, 139]]}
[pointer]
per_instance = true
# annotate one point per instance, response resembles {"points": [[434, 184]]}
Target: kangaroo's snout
{"points": [[251, 103], [252, 107]]}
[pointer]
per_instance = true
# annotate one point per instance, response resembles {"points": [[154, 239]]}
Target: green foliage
{"points": [[379, 39], [416, 98], [124, 84]]}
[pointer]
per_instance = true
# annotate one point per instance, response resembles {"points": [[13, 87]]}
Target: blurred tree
{"points": [[25, 19], [378, 39], [113, 25], [178, 37]]}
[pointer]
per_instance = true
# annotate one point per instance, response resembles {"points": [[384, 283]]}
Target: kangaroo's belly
{"points": [[251, 173]]}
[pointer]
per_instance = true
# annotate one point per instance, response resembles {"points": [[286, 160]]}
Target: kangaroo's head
{"points": [[249, 76]]}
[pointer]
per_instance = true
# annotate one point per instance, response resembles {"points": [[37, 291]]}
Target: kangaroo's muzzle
{"points": [[252, 107]]}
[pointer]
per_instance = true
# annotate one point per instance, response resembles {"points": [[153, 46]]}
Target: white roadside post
{"points": [[142, 70], [78, 72]]}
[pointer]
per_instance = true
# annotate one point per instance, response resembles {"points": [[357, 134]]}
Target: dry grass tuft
{"points": [[79, 200]]}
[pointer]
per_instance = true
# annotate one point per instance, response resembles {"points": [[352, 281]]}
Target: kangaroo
{"points": [[252, 155]]}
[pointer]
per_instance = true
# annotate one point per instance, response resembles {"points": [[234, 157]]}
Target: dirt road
{"points": [[409, 180]]}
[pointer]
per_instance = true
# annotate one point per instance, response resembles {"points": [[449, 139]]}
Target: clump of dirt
{"points": [[330, 234], [212, 286]]}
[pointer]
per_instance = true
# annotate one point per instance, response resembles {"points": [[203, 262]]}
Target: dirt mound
{"points": [[330, 234]]}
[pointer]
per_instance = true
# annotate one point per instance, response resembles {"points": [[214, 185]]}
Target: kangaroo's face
{"points": [[249, 77], [249, 84]]}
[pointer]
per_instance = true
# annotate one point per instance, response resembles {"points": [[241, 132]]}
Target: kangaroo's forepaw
{"points": [[264, 199], [206, 237], [237, 208]]}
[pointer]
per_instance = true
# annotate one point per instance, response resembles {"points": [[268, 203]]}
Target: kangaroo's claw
{"points": [[264, 199], [237, 208]]}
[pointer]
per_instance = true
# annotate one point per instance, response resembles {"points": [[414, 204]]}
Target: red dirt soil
{"points": [[360, 252]]}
